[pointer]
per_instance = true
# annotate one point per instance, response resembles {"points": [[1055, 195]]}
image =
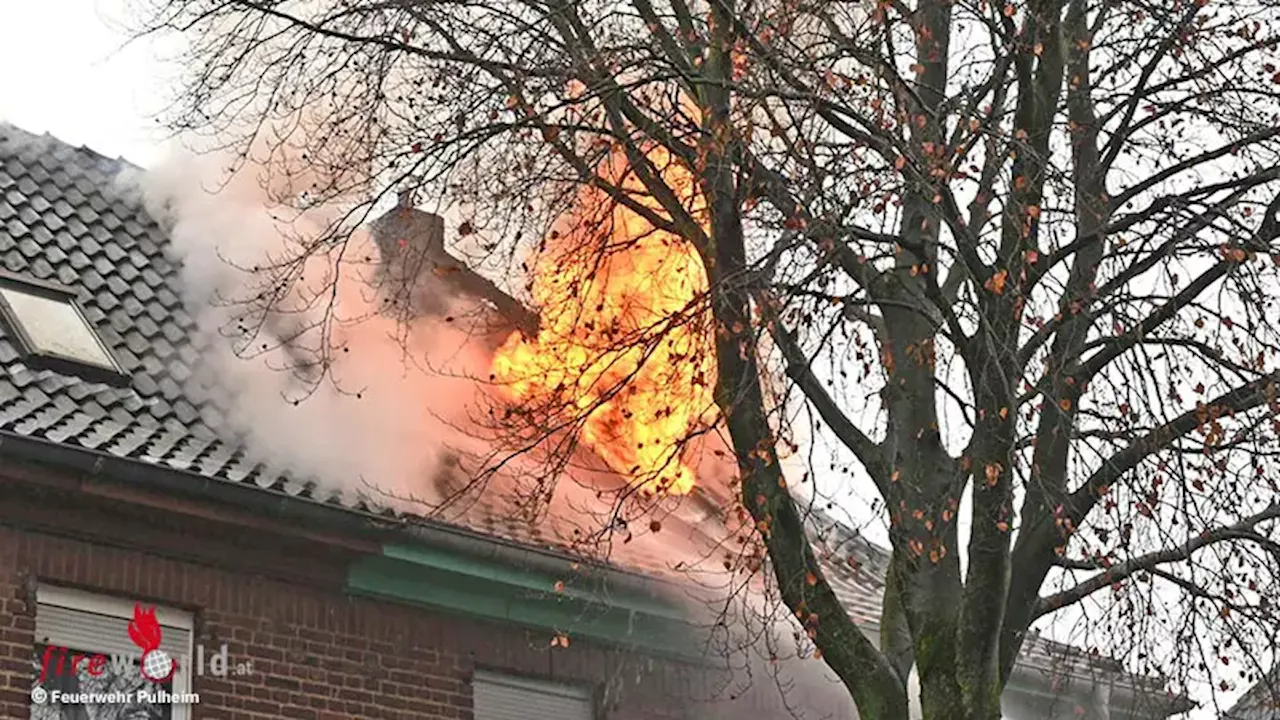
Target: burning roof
{"points": [[65, 218], [622, 341], [417, 271]]}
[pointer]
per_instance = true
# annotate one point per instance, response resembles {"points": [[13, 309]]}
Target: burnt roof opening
{"points": [[52, 332]]}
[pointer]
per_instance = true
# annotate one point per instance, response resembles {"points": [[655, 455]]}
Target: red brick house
{"points": [[118, 489]]}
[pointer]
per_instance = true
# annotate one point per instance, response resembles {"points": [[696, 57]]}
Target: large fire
{"points": [[620, 346]]}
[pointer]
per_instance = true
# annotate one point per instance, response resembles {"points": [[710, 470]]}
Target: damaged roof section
{"points": [[419, 276]]}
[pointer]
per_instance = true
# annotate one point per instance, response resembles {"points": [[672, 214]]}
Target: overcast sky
{"points": [[69, 70]]}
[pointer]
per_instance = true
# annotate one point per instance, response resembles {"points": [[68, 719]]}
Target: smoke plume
{"points": [[307, 371]]}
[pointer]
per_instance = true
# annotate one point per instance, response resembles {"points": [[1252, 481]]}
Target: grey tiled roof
{"points": [[1261, 702], [64, 218]]}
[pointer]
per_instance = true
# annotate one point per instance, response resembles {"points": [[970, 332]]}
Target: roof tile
{"points": [[100, 433], [143, 383], [41, 268], [53, 221], [149, 329], [15, 229], [66, 274], [38, 422], [71, 426], [14, 261], [132, 441], [133, 306], [108, 301], [8, 394], [28, 246], [127, 361], [74, 228], [118, 287]]}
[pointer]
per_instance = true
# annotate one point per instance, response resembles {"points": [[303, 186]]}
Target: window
{"points": [[501, 697], [83, 646], [52, 332]]}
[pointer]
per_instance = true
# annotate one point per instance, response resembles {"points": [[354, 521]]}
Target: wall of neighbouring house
{"points": [[277, 600]]}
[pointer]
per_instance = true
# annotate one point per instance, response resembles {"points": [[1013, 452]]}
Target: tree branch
{"points": [[1116, 573], [800, 370], [1242, 399]]}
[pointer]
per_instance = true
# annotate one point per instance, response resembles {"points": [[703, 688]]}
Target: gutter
{"points": [[104, 468]]}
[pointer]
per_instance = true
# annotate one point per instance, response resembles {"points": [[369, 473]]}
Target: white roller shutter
{"points": [[100, 633], [501, 697], [84, 621]]}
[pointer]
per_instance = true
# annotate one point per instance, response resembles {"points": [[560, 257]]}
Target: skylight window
{"points": [[52, 331]]}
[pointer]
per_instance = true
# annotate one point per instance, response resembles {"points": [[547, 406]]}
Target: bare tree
{"points": [[1043, 230]]}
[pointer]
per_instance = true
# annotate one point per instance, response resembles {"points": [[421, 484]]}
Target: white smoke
{"points": [[378, 421]]}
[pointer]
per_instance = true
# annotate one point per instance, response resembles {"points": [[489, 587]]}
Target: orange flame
{"points": [[618, 339]]}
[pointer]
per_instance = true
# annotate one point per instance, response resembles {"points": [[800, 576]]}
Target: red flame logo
{"points": [[145, 632]]}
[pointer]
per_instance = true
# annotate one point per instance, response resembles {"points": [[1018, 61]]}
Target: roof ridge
{"points": [[48, 137]]}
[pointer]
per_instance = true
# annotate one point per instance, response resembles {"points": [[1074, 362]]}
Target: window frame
{"points": [[57, 362], [92, 603]]}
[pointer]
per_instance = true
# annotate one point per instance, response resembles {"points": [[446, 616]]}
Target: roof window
{"points": [[52, 331]]}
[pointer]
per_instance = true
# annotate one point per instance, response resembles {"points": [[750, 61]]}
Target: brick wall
{"points": [[277, 601]]}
